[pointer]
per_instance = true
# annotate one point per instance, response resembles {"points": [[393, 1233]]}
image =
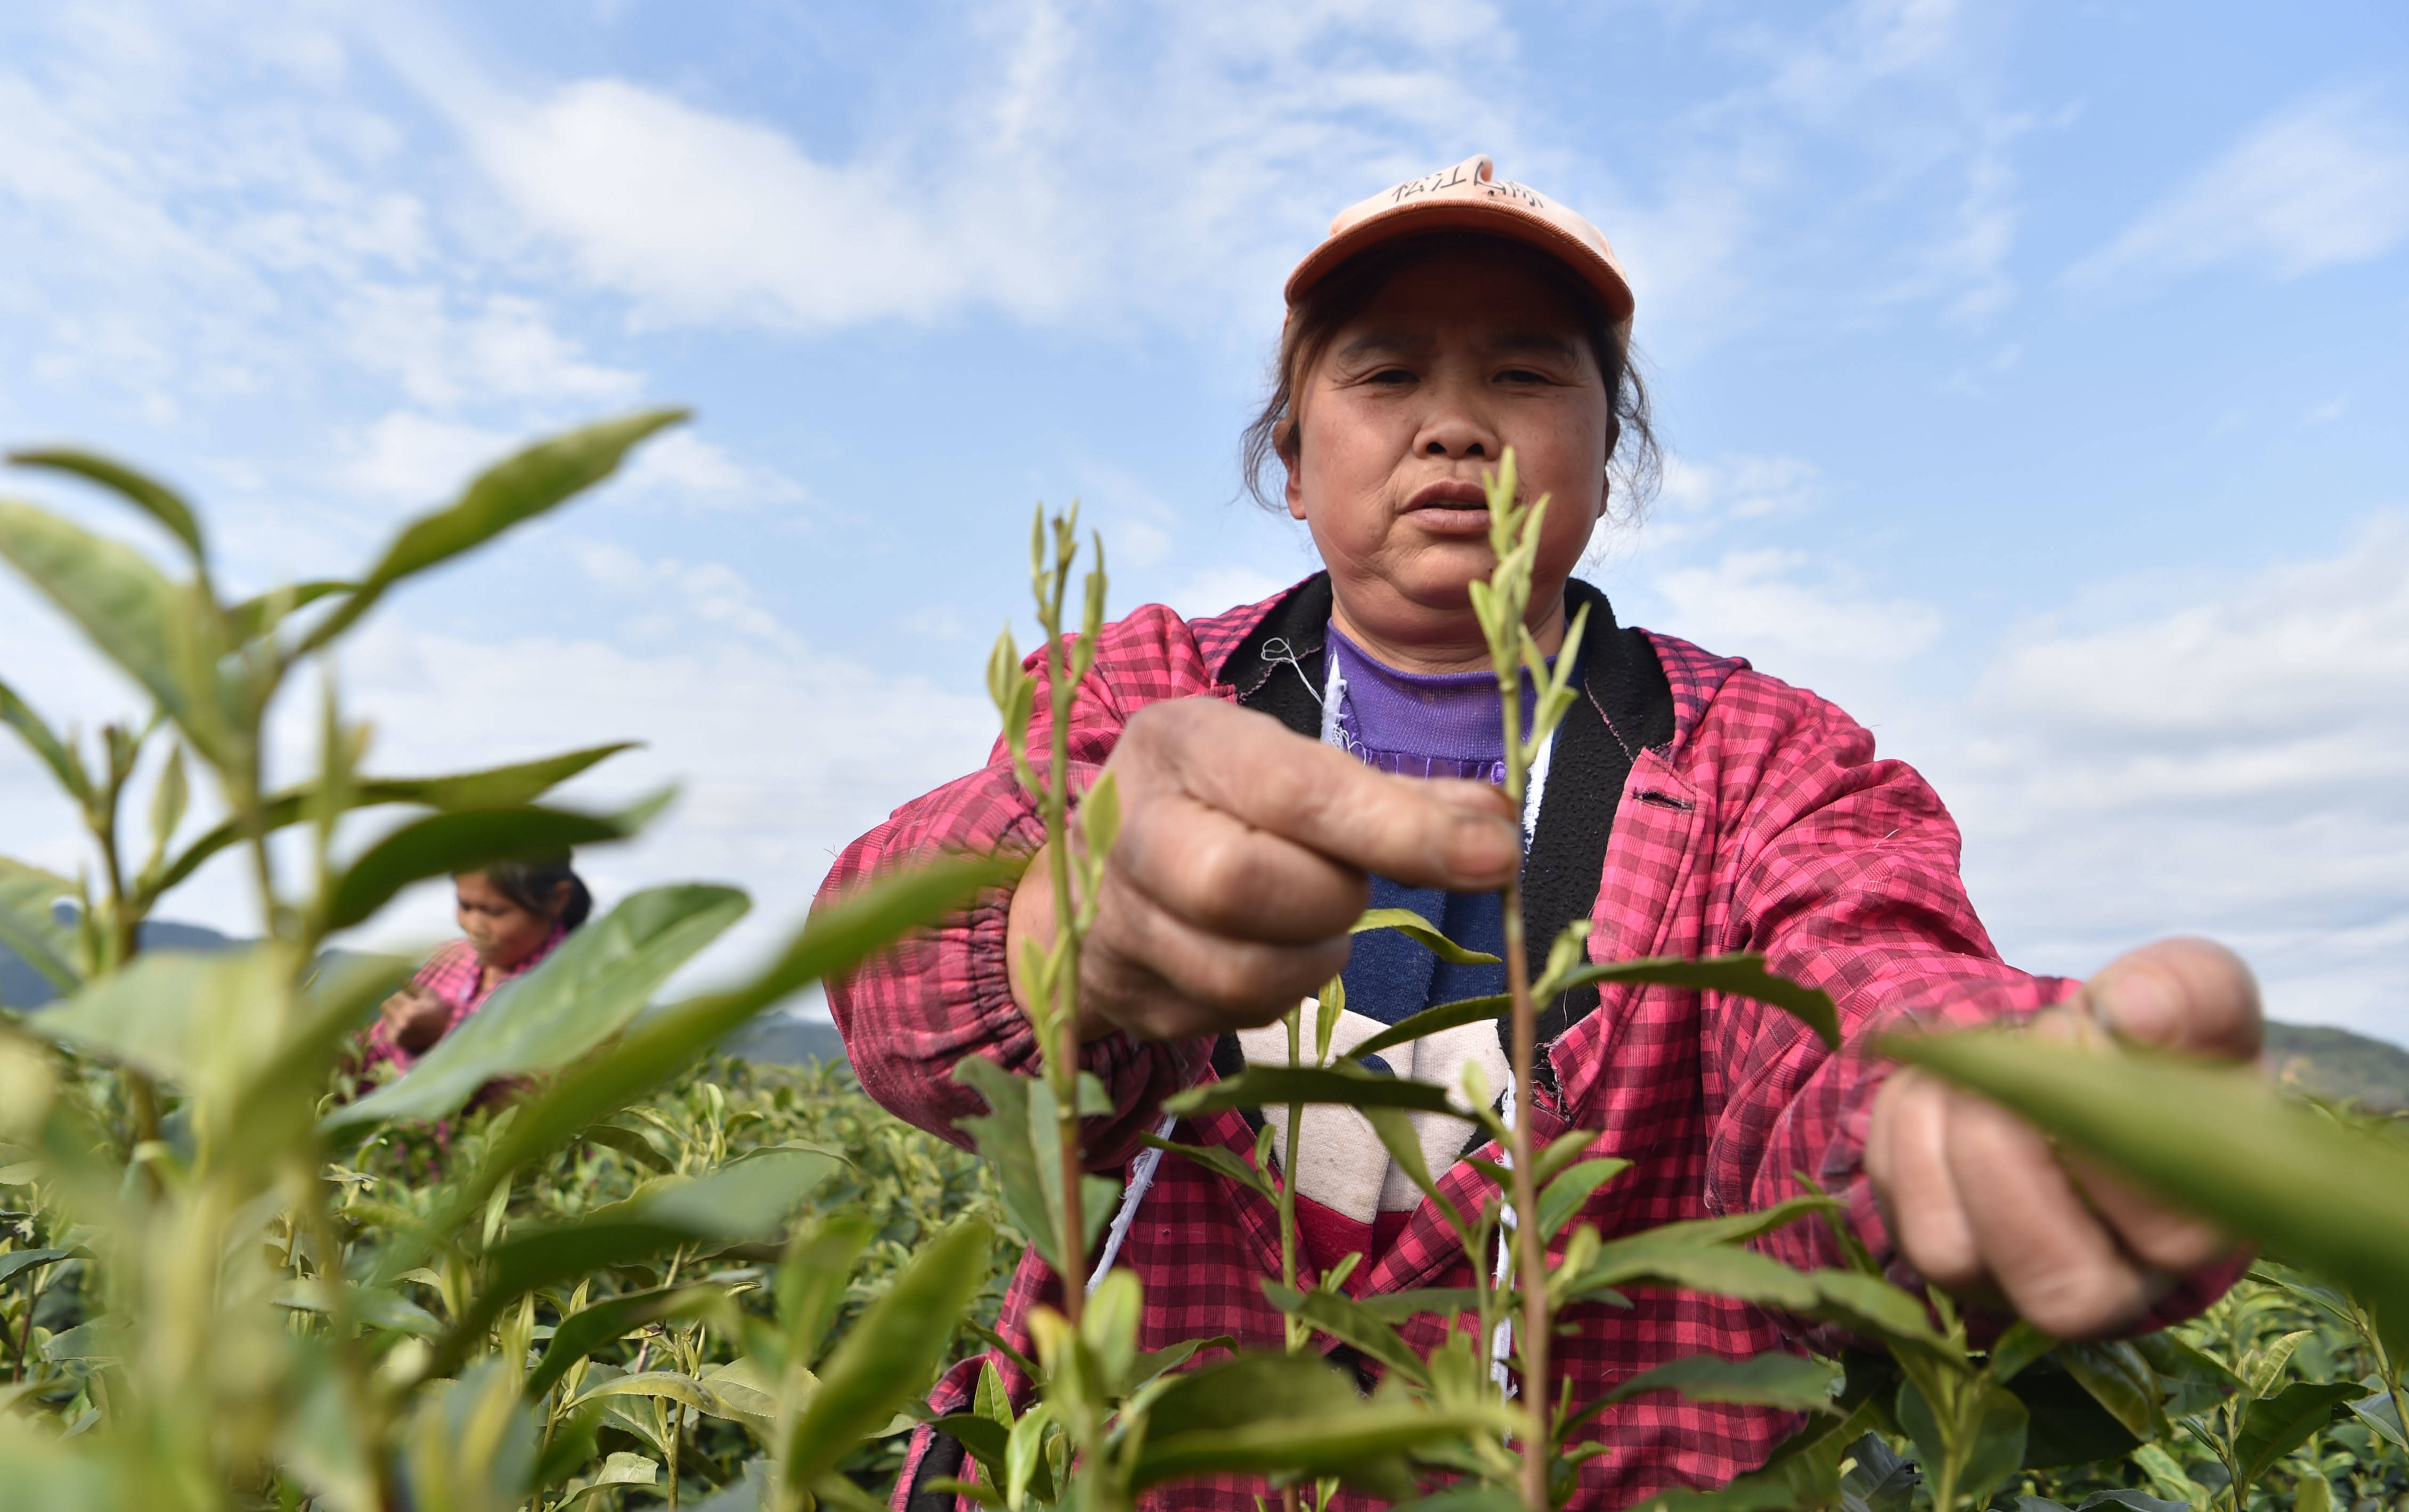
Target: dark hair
{"points": [[530, 882], [1313, 320]]}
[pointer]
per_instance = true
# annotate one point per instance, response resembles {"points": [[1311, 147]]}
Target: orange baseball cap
{"points": [[1470, 197]]}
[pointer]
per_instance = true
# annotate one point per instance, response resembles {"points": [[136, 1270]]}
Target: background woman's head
{"points": [[510, 909], [1440, 323]]}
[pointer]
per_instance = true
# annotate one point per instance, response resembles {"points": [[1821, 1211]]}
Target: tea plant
{"points": [[261, 1324]]}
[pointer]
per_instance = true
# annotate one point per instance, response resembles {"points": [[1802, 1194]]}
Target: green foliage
{"points": [[573, 1261], [217, 1306]]}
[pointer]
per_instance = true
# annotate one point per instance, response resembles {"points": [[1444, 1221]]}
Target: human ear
{"points": [[1293, 459]]}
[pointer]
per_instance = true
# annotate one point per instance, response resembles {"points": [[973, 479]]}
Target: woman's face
{"points": [[503, 932], [1460, 356]]}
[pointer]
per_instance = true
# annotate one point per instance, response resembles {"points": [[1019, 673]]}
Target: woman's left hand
{"points": [[1980, 1204], [414, 1019]]}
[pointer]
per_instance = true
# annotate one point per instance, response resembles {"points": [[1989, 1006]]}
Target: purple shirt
{"points": [[1422, 724]]}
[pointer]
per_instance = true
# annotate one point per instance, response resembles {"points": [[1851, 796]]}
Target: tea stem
{"points": [[1292, 1326], [1531, 1257]]}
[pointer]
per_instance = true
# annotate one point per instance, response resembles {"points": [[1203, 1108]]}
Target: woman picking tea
{"points": [[512, 916], [1284, 764]]}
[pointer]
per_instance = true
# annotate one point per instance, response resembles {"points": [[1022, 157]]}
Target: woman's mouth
{"points": [[1450, 505]]}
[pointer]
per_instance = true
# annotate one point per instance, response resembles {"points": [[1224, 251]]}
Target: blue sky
{"points": [[2032, 377]]}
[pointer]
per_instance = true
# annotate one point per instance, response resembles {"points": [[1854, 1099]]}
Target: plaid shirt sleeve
{"points": [[909, 1016], [1843, 871]]}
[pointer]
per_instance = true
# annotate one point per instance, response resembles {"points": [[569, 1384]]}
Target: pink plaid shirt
{"points": [[1766, 825], [457, 975]]}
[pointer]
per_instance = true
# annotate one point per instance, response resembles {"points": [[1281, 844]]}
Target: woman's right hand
{"points": [[1244, 858], [414, 1019]]}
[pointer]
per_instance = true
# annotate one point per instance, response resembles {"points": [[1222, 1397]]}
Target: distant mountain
{"points": [[777, 1038], [2336, 1063], [774, 1038], [21, 987]]}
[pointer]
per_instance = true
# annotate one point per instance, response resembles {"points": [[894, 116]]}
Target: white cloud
{"points": [[785, 754], [1070, 171], [1755, 603], [2322, 185], [2231, 767], [665, 600], [503, 348], [683, 468], [704, 217], [416, 459], [1214, 589]]}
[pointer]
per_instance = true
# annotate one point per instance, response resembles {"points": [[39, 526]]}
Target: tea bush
{"points": [[908, 1184], [231, 1277]]}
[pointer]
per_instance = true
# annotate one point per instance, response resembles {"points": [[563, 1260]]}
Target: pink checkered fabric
{"points": [[1767, 824], [456, 974]]}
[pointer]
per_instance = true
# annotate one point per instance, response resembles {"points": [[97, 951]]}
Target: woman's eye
{"points": [[1520, 375], [1393, 375]]}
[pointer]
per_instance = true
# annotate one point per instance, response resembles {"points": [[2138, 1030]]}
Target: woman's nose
{"points": [[1456, 428]]}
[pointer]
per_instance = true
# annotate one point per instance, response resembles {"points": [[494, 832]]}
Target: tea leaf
{"points": [[446, 844], [1008, 1139], [1403, 1144], [153, 498], [499, 787], [589, 989], [517, 489], [746, 1199], [582, 1332], [2019, 1347], [1219, 1161], [2121, 1381], [987, 1440], [1999, 1448], [1342, 1318], [1432, 1020], [2215, 1139], [45, 744], [665, 1385], [1344, 1085], [495, 787], [621, 1469], [629, 1142], [2191, 1381], [1100, 815], [1422, 932], [256, 616], [28, 927], [2379, 1412], [889, 1356], [167, 805], [204, 1020], [2272, 1426], [1397, 1307], [1740, 975], [322, 1441], [1265, 1413], [1562, 1197], [1363, 1445], [811, 1282], [1772, 1379], [134, 616]]}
